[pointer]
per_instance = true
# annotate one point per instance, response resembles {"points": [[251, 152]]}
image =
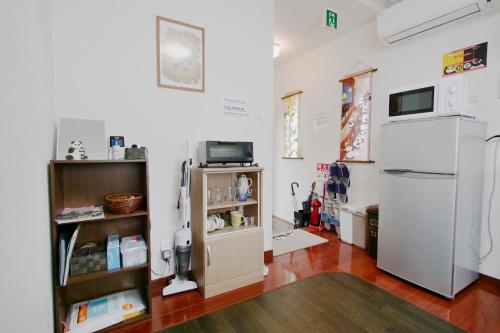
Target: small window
{"points": [[292, 122]]}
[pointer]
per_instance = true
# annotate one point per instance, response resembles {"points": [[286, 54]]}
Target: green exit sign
{"points": [[331, 19]]}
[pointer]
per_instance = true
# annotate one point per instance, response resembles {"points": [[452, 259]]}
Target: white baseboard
{"points": [[282, 220]]}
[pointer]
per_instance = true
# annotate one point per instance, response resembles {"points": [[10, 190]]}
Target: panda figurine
{"points": [[76, 151]]}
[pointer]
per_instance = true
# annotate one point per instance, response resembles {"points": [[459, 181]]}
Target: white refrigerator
{"points": [[431, 201]]}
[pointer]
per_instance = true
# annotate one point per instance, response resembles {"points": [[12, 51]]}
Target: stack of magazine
{"points": [[72, 215], [99, 313], [67, 237]]}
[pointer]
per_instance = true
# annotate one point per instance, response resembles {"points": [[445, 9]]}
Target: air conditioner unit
{"points": [[411, 18]]}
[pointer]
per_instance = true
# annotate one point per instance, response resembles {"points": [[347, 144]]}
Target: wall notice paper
{"points": [[320, 120], [323, 171], [465, 60], [236, 108]]}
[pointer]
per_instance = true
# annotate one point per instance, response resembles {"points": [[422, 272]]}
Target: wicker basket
{"points": [[124, 203]]}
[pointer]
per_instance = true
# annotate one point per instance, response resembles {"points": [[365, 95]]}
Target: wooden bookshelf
{"points": [[84, 183]]}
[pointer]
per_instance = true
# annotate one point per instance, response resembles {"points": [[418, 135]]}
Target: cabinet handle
{"points": [[208, 255]]}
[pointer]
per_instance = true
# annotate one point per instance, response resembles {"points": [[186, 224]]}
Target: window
{"points": [[292, 106]]}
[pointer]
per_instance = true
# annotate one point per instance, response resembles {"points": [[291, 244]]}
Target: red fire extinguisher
{"points": [[315, 215]]}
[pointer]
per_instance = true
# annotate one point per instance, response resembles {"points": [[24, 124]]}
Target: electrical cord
{"points": [[492, 194], [152, 270], [167, 268]]}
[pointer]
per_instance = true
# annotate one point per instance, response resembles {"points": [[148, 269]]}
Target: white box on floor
{"points": [[134, 251], [353, 225]]}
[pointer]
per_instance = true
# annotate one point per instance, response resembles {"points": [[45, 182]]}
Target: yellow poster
{"points": [[466, 59]]}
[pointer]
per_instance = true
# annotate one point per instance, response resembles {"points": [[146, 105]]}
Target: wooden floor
{"points": [[476, 309]]}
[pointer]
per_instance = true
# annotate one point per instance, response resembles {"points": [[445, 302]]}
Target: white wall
{"points": [[105, 68], [26, 133], [317, 74]]}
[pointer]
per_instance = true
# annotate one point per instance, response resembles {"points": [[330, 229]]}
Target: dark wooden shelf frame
{"points": [[95, 161], [81, 183]]}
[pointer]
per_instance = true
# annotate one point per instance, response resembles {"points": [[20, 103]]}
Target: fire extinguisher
{"points": [[315, 214]]}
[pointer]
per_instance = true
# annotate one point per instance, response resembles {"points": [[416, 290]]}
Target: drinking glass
{"points": [[228, 194], [210, 196], [216, 195]]}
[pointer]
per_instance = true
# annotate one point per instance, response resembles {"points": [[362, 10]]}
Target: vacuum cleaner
{"points": [[183, 237]]}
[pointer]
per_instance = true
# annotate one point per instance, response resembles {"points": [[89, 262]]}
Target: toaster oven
{"points": [[224, 152]]}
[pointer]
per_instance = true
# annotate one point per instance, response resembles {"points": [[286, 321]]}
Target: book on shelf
{"points": [[99, 313], [67, 240], [79, 214]]}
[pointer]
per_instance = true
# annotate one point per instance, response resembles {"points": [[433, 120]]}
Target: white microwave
{"points": [[446, 97]]}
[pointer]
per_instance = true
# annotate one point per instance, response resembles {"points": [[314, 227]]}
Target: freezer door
{"points": [[415, 236], [422, 145]]}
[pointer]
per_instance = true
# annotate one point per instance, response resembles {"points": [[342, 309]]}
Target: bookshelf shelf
{"points": [[96, 161], [77, 279], [109, 217], [84, 183]]}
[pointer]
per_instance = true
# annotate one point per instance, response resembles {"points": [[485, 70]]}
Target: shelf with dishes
{"points": [[230, 229], [232, 203]]}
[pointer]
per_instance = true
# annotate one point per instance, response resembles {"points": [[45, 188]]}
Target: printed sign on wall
{"points": [[323, 171], [465, 60], [330, 19], [235, 108]]}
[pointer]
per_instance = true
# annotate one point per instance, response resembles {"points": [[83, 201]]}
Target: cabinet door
{"points": [[231, 257]]}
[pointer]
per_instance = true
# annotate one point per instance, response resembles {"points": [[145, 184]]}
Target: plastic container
{"points": [[353, 226], [134, 251]]}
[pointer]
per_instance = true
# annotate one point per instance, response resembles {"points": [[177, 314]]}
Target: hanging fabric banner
{"points": [[291, 115], [355, 121]]}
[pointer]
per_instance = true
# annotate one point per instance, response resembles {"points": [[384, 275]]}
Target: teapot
{"points": [[243, 185]]}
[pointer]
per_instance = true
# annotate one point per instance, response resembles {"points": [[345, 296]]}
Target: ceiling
{"points": [[298, 23]]}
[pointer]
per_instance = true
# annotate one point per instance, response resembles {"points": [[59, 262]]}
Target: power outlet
{"points": [[165, 245], [166, 249]]}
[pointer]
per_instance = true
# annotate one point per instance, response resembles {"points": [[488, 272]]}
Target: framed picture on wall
{"points": [[180, 55]]}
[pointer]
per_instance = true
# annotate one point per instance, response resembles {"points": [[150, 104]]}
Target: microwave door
{"points": [[413, 103]]}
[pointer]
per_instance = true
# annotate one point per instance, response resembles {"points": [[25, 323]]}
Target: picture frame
{"points": [[89, 133], [180, 55]]}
